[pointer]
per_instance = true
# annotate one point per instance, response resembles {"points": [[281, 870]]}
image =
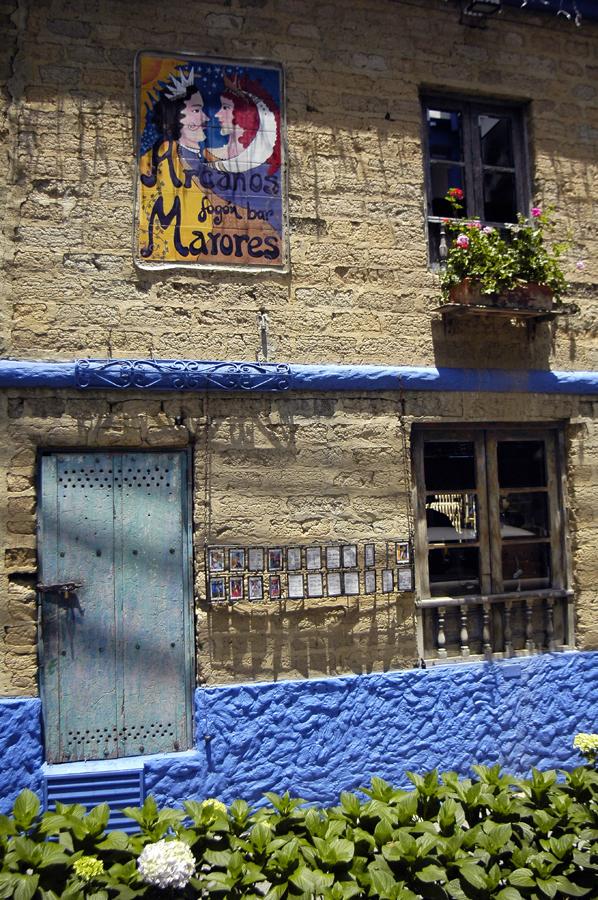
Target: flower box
{"points": [[525, 296]]}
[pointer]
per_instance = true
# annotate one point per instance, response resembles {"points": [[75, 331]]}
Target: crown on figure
{"points": [[178, 86]]}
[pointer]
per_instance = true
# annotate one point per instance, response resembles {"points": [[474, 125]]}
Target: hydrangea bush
{"points": [[489, 837]]}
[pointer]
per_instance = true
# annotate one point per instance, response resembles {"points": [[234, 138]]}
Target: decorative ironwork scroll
{"points": [[181, 375]]}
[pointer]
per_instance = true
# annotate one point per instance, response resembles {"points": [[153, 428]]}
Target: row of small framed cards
{"points": [[294, 559], [298, 586]]}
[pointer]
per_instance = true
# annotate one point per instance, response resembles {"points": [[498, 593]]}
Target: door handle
{"points": [[64, 587]]}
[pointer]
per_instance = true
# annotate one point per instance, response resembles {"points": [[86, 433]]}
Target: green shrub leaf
{"points": [[475, 876], [25, 809], [522, 878]]}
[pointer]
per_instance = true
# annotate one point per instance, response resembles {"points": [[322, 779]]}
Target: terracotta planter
{"points": [[526, 296]]}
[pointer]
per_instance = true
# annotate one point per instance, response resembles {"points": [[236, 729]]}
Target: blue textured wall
{"points": [[21, 751], [316, 738]]}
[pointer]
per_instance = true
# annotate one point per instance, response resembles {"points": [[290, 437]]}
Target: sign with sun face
{"points": [[210, 184]]}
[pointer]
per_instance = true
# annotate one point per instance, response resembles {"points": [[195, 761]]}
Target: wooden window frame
{"points": [[470, 108], [485, 439], [492, 594]]}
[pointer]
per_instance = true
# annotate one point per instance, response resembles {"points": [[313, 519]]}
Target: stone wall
{"points": [[297, 468], [270, 470], [359, 289]]}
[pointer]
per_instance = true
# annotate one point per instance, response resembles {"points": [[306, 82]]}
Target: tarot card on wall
{"points": [[351, 583], [313, 557], [235, 587], [405, 578], [236, 559], [333, 581], [275, 559], [216, 559], [314, 585], [388, 581], [296, 589], [403, 557], [255, 587], [275, 588], [217, 589], [256, 559], [349, 556], [293, 559]]}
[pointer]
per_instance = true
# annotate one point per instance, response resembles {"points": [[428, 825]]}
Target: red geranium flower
{"points": [[456, 193]]}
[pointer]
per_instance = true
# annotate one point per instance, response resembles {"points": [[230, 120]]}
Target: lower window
{"points": [[490, 541]]}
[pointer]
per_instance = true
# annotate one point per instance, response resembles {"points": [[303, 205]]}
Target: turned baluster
{"points": [[443, 246], [441, 635], [508, 629], [529, 630], [486, 630], [550, 642], [464, 633]]}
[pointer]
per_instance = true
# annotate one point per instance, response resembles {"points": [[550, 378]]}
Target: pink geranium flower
{"points": [[536, 212], [462, 241], [488, 230], [476, 224]]}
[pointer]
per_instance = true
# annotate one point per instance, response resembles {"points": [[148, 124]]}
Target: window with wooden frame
{"points": [[479, 147], [490, 530]]}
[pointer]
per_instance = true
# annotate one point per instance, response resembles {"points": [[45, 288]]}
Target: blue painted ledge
{"points": [[197, 375]]}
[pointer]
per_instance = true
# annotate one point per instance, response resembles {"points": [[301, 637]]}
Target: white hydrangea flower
{"points": [[166, 864]]}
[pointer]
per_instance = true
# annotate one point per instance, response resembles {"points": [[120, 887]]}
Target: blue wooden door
{"points": [[116, 650]]}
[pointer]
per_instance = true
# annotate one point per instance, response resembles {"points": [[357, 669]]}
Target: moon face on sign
{"points": [[247, 147]]}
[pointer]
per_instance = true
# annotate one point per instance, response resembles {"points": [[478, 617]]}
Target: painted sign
{"points": [[210, 186]]}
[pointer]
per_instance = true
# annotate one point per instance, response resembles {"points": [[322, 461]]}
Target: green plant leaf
{"points": [[522, 878], [475, 876], [405, 808], [382, 882], [509, 893], [548, 886], [97, 819], [351, 805], [383, 833], [25, 809], [114, 840], [432, 873], [50, 855], [260, 836], [312, 881], [25, 887]]}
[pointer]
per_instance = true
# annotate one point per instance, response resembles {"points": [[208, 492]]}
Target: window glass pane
{"points": [[496, 141], [444, 177], [521, 464], [449, 464], [451, 517], [525, 563], [444, 134], [500, 204], [524, 515], [454, 571]]}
